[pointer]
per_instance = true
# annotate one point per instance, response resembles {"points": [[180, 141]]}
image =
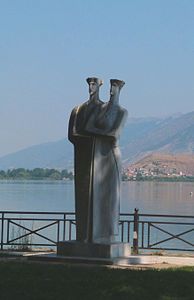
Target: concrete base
{"points": [[91, 250]]}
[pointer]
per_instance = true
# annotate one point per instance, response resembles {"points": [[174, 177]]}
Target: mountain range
{"points": [[174, 134], [140, 137]]}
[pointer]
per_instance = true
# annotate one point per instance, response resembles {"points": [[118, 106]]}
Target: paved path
{"points": [[143, 262]]}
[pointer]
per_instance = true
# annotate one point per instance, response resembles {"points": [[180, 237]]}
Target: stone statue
{"points": [[94, 129], [83, 159], [105, 125]]}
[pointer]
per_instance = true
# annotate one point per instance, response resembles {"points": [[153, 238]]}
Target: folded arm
{"points": [[109, 127]]}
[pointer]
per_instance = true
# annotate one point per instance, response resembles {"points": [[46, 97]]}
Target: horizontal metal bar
{"points": [[165, 222], [36, 212], [126, 214], [165, 216], [125, 221], [73, 213], [39, 219]]}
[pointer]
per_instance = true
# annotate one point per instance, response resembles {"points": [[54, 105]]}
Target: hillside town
{"points": [[160, 166], [131, 173]]}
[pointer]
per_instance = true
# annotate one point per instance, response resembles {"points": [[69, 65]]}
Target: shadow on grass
{"points": [[45, 282]]}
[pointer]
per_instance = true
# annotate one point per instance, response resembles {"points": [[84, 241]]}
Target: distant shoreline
{"points": [[36, 174], [71, 180], [163, 179], [35, 179]]}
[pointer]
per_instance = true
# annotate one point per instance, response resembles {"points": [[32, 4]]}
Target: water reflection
{"points": [[149, 197], [158, 197]]}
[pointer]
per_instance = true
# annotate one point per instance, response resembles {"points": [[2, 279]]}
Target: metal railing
{"points": [[25, 229], [165, 232]]}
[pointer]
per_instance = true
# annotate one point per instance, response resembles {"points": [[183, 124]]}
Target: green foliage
{"points": [[140, 177], [169, 179], [37, 173], [2, 174], [124, 177]]}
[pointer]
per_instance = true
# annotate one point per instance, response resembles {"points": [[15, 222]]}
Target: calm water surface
{"points": [[149, 197], [159, 197]]}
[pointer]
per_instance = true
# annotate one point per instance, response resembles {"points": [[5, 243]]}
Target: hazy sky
{"points": [[49, 47]]}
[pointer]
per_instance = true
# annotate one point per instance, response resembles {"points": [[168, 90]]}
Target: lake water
{"points": [[58, 196], [149, 197]]}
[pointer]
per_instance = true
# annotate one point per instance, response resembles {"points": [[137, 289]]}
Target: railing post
{"points": [[2, 229], [135, 231], [58, 230], [64, 226]]}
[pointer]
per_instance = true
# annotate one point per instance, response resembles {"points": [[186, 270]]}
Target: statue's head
{"points": [[116, 86], [94, 84]]}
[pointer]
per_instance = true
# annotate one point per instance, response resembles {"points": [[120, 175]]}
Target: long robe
{"points": [[83, 161], [106, 171], [97, 171]]}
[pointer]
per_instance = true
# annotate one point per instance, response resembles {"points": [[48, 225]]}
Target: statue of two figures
{"points": [[94, 129]]}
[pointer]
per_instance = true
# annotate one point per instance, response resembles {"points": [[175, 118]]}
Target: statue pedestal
{"points": [[91, 250]]}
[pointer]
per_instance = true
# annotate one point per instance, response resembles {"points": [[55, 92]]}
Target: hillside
{"points": [[56, 155], [170, 135], [140, 137], [180, 164], [59, 154]]}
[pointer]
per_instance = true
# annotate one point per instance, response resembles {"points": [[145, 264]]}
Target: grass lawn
{"points": [[21, 280]]}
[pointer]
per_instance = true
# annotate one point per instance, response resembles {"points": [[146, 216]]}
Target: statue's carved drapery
{"points": [[94, 129]]}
